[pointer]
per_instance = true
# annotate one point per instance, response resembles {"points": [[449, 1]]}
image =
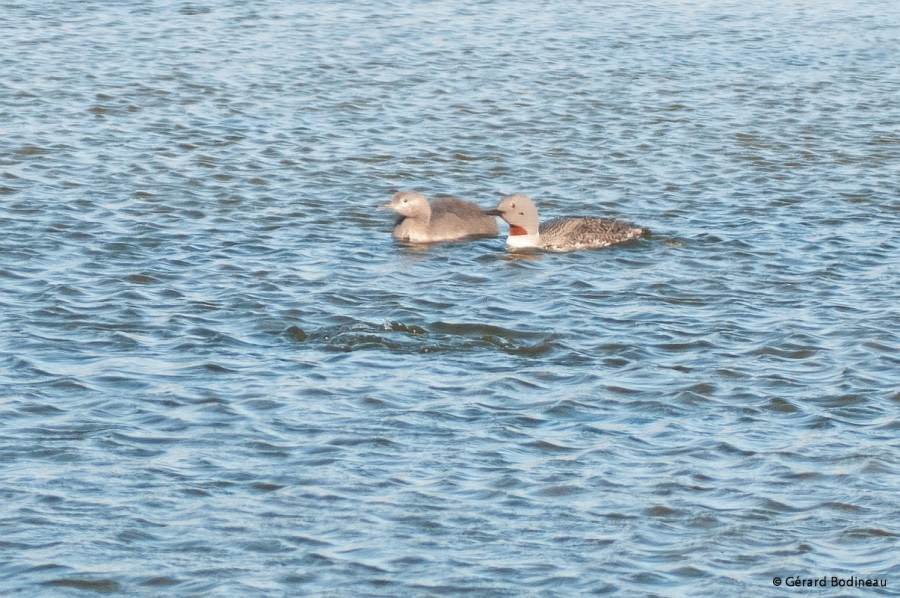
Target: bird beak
{"points": [[493, 213], [385, 206]]}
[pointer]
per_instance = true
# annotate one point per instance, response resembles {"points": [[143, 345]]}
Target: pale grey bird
{"points": [[559, 234], [444, 219]]}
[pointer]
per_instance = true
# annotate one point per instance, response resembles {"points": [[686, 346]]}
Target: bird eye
{"points": [[513, 206], [405, 200]]}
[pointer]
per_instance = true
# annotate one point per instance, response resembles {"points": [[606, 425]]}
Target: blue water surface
{"points": [[221, 376]]}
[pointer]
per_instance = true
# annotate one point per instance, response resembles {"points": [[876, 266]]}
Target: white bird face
{"points": [[407, 203], [519, 212]]}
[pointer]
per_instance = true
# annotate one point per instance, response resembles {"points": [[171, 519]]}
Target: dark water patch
{"points": [[296, 334], [98, 586], [778, 405], [442, 338], [864, 533], [160, 582]]}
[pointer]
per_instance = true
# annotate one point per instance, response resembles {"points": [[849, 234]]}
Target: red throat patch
{"points": [[515, 231]]}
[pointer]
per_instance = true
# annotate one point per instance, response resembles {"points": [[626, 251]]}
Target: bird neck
{"points": [[422, 217], [522, 239]]}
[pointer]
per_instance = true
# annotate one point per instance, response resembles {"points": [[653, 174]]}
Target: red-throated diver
{"points": [[445, 219], [559, 234]]}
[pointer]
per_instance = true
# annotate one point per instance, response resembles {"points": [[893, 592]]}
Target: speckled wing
{"points": [[563, 234]]}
